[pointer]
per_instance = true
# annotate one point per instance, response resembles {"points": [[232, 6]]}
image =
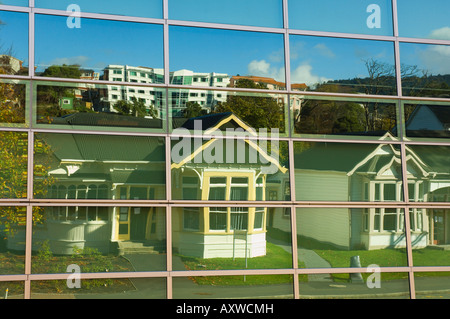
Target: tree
{"points": [[193, 109], [258, 111], [135, 108], [14, 159]]}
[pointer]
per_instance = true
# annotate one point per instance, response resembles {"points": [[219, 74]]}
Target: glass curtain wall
{"points": [[174, 149]]}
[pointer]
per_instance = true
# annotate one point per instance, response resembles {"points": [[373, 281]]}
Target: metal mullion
{"points": [[99, 16], [97, 132], [97, 203], [4, 278], [232, 272], [223, 26], [355, 36], [407, 222], [423, 41], [100, 275], [97, 82], [10, 8], [28, 251]]}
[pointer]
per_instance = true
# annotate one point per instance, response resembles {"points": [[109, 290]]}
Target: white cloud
{"points": [[441, 34], [259, 67], [436, 59], [304, 74], [264, 68], [323, 50]]}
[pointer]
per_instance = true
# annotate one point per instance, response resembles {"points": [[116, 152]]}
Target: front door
{"points": [[138, 222], [439, 221]]}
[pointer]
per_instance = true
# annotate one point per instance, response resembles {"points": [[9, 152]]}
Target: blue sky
{"points": [[97, 43], [424, 19], [346, 16], [267, 13], [14, 34], [137, 8], [100, 42], [224, 51]]}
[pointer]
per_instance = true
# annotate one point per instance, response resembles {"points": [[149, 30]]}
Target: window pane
{"points": [[265, 245], [239, 287], [100, 106], [98, 244], [117, 288], [343, 65], [267, 13], [14, 164], [433, 17], [12, 289], [106, 160], [254, 55], [425, 70], [345, 177], [430, 250], [95, 53], [427, 120], [225, 110], [138, 8], [241, 158], [431, 284], [14, 43], [429, 168], [350, 16], [12, 243], [13, 100], [365, 118], [372, 285], [336, 235]]}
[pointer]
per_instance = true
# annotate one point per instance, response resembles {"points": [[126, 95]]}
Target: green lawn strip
{"points": [[275, 258]]}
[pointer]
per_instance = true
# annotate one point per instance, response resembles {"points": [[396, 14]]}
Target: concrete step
{"points": [[141, 247]]}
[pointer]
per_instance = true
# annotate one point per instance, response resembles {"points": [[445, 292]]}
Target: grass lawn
{"points": [[275, 258]]}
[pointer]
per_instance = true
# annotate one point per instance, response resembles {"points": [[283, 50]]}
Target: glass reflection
{"points": [[424, 21], [88, 52], [343, 65], [12, 242], [223, 238], [138, 8], [13, 43], [98, 239], [88, 105], [372, 285], [267, 13], [372, 17], [255, 55], [358, 172], [346, 118], [255, 111], [235, 287], [113, 167], [432, 285], [121, 288], [14, 164], [243, 169], [356, 238], [12, 290], [13, 99], [427, 120], [425, 70]]}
